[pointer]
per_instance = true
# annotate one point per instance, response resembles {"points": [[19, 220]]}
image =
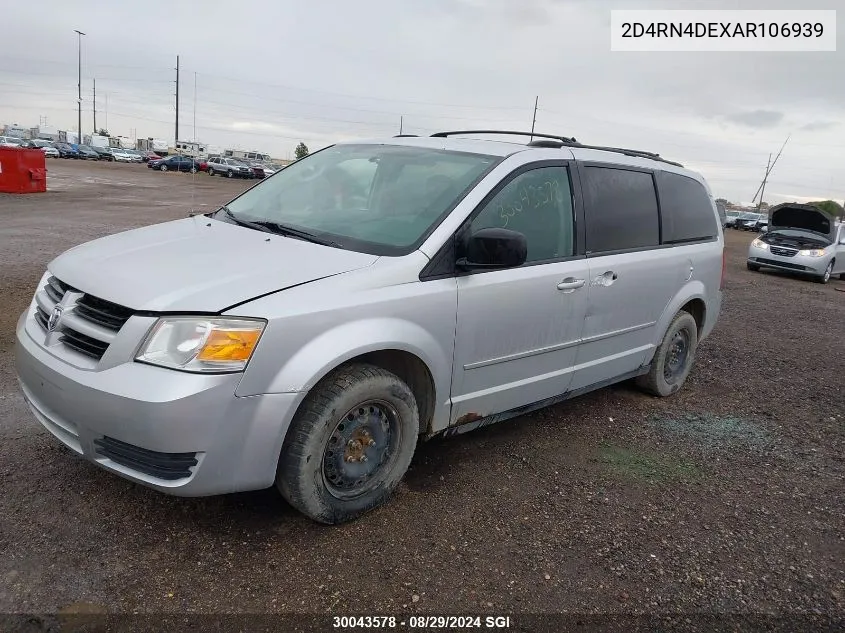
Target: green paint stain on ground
{"points": [[715, 431], [632, 464]]}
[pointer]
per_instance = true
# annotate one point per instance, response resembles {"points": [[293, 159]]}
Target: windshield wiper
{"points": [[252, 225], [278, 228], [284, 229]]}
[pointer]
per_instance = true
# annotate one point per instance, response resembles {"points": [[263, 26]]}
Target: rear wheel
{"points": [[349, 444], [230, 174], [673, 359], [193, 169], [210, 171], [753, 267], [163, 167]]}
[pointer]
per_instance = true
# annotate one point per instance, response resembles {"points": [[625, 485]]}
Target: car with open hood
{"points": [[369, 296], [801, 239]]}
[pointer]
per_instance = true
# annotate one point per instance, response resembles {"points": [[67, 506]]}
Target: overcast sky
{"points": [[272, 73]]}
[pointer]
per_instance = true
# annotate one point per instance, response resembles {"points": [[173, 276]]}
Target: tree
{"points": [[103, 132], [834, 208], [764, 205], [301, 151]]}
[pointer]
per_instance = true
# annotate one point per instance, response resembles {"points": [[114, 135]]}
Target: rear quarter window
{"points": [[685, 209]]}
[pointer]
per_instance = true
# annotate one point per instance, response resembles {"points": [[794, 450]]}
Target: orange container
{"points": [[22, 170]]}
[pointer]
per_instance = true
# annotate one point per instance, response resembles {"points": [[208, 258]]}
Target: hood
{"points": [[802, 217], [197, 265]]}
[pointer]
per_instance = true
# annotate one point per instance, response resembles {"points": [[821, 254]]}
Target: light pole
{"points": [[79, 35]]}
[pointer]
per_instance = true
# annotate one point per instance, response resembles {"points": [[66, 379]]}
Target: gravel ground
{"points": [[726, 498]]}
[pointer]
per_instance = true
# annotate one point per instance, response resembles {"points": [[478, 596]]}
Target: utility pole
{"points": [[763, 186], [176, 140], [534, 120], [79, 35], [95, 106]]}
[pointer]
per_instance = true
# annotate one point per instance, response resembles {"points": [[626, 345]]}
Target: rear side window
{"points": [[621, 209], [685, 209]]}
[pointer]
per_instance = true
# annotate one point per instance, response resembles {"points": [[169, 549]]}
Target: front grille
{"points": [[169, 466], [774, 262], [84, 344], [107, 317], [783, 252], [105, 313]]}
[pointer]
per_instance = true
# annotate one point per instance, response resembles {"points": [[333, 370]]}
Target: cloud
{"points": [[817, 126], [756, 118]]}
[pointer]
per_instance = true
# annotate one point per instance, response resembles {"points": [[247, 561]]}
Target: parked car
{"points": [[256, 167], [750, 221], [66, 150], [137, 156], [370, 295], [270, 168], [11, 141], [122, 155], [87, 153], [730, 218], [50, 151], [175, 163], [147, 156], [103, 153], [230, 167], [801, 239]]}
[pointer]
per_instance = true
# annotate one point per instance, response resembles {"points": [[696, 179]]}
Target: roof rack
{"points": [[551, 140], [562, 139]]}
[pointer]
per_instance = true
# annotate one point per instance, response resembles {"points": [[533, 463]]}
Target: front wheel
{"points": [[673, 359], [349, 444], [825, 276], [210, 171], [230, 174], [163, 167], [193, 170]]}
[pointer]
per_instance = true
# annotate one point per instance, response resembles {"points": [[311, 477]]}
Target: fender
{"points": [[320, 355], [694, 289]]}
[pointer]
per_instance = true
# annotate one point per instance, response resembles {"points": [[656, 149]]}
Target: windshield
{"points": [[379, 199]]}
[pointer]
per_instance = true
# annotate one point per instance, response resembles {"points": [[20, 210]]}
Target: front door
{"points": [[518, 329]]}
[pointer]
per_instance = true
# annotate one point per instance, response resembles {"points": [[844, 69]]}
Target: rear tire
{"points": [[210, 171], [753, 267], [673, 359], [359, 410], [230, 174], [163, 167]]}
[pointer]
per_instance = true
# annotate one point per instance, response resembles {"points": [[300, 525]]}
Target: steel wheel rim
{"points": [[361, 449], [676, 356]]}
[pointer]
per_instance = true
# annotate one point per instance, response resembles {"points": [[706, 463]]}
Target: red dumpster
{"points": [[22, 170]]}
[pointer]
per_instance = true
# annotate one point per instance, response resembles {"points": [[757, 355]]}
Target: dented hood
{"points": [[802, 217], [197, 265]]}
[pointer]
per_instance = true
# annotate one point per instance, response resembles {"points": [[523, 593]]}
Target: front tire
{"points": [[673, 359], [193, 170], [163, 167], [230, 174], [349, 444], [825, 276], [210, 171], [752, 267]]}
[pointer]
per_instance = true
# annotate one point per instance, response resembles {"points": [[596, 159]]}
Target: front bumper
{"points": [[233, 443], [795, 263]]}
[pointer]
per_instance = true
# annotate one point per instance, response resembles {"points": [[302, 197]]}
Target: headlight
{"points": [[201, 344], [812, 252], [758, 243]]}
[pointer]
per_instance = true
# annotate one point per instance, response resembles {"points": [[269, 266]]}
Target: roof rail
{"points": [[563, 139], [552, 140]]}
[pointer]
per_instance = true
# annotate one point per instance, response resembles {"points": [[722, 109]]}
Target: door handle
{"points": [[570, 284]]}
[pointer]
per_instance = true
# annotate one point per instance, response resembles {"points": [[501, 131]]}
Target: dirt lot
{"points": [[728, 497]]}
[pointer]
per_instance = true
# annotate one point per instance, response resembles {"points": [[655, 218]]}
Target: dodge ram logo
{"points": [[55, 317]]}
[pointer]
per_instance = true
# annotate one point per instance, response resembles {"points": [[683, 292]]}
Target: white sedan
{"points": [[50, 151]]}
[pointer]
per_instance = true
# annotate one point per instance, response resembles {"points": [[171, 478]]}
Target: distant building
{"points": [[18, 131], [190, 148]]}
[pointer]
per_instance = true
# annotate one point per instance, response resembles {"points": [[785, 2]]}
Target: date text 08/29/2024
{"points": [[422, 622]]}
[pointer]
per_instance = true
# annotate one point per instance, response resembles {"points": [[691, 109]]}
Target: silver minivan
{"points": [[370, 295]]}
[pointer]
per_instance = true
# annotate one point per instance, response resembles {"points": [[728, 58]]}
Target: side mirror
{"points": [[494, 248]]}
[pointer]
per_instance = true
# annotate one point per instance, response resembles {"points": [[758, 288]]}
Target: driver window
{"points": [[538, 204]]}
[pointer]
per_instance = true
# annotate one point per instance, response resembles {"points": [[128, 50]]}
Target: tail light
{"points": [[724, 266]]}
